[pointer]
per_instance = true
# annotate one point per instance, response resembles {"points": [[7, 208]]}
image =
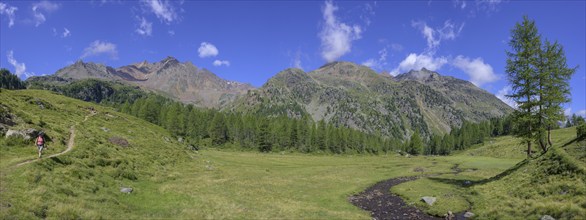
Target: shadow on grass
{"points": [[469, 183]]}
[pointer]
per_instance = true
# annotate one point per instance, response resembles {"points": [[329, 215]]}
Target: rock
{"points": [[26, 134], [180, 139], [105, 129], [118, 141], [429, 200], [166, 139], [125, 190], [467, 183], [546, 217], [449, 216], [468, 214]]}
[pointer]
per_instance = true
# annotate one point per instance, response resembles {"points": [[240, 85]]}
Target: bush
{"points": [[581, 131]]}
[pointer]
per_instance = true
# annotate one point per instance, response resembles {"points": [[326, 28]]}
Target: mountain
{"points": [[182, 81], [347, 94]]}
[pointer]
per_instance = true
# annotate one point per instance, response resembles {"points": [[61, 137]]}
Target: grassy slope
{"points": [[553, 184], [170, 181]]}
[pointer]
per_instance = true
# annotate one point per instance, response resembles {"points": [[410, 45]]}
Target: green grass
{"points": [[170, 181], [552, 184]]}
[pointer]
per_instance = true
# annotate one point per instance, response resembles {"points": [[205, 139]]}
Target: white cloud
{"points": [[40, 7], [502, 95], [19, 68], [9, 11], [488, 5], [417, 61], [581, 113], [98, 47], [66, 33], [568, 112], [221, 63], [162, 9], [336, 37], [435, 36], [171, 33], [460, 4], [207, 50], [145, 28], [377, 63], [479, 72]]}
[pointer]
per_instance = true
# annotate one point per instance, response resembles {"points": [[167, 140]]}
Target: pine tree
{"points": [[264, 142], [522, 67], [415, 144], [218, 131]]}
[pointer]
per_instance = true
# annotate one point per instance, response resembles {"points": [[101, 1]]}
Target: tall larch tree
{"points": [[522, 71]]}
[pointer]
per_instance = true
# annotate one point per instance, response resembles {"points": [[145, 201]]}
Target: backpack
{"points": [[40, 141]]}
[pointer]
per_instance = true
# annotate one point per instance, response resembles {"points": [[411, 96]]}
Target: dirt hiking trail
{"points": [[70, 144]]}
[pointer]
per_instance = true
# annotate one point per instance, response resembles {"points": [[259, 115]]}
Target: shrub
{"points": [[581, 131]]}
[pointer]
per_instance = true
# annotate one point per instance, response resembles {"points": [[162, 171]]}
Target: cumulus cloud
{"points": [[43, 7], [377, 63], [66, 33], [162, 9], [98, 47], [479, 72], [9, 11], [434, 37], [502, 95], [336, 37], [221, 63], [417, 61], [207, 50], [19, 68], [145, 28]]}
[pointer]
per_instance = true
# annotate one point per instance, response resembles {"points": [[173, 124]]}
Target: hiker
{"points": [[40, 143]]}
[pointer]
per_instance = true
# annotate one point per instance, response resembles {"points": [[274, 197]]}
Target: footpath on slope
{"points": [[70, 143], [382, 204]]}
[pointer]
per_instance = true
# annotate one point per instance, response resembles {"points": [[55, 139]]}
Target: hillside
{"points": [[111, 151], [551, 184], [346, 94], [182, 81]]}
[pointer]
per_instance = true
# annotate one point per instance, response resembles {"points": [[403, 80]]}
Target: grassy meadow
{"points": [[172, 181]]}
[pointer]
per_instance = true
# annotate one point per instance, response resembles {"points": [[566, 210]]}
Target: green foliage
{"points": [[415, 144], [581, 131], [10, 81], [539, 77]]}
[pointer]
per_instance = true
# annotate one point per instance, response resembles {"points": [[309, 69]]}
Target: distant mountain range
{"points": [[341, 93], [182, 81]]}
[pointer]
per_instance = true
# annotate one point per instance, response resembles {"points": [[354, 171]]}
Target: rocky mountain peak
{"points": [[422, 75]]}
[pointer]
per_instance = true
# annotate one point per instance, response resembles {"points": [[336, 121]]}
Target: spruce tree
{"points": [[415, 144]]}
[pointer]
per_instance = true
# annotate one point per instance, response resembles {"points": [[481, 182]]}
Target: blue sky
{"points": [[250, 41]]}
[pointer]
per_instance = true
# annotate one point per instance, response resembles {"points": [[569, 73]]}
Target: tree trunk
{"points": [[549, 136], [529, 149]]}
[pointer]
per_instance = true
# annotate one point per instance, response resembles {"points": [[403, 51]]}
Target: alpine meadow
{"points": [[161, 109]]}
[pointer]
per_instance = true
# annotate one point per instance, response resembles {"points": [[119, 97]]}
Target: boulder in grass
{"points": [[546, 217], [429, 200], [468, 215], [126, 190]]}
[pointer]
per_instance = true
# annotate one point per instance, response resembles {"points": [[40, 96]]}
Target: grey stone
{"points": [[429, 200], [26, 134], [126, 190], [468, 214], [467, 183], [180, 139], [105, 129], [546, 217]]}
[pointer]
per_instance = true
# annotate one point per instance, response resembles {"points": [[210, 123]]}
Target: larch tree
{"points": [[522, 71]]}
